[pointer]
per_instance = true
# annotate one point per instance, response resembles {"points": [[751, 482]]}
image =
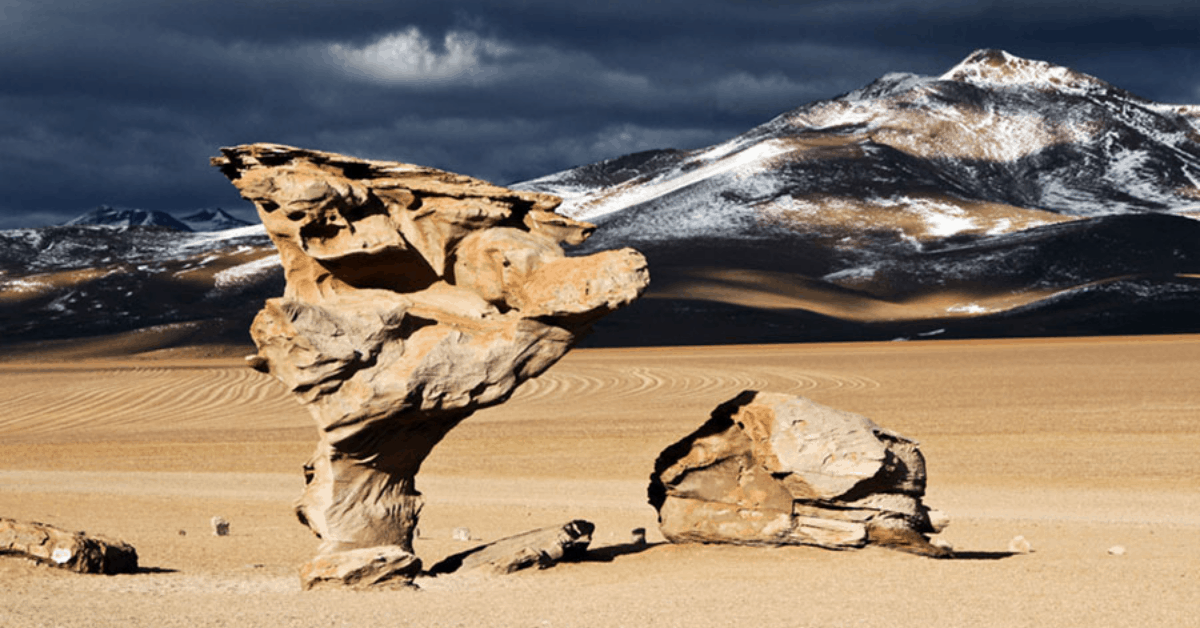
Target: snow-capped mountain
{"points": [[214, 219], [89, 280], [126, 217], [995, 144], [855, 207], [1005, 197]]}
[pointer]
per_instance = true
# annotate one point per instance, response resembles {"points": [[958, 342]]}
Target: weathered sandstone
{"points": [[537, 548], [414, 297], [74, 551], [775, 469]]}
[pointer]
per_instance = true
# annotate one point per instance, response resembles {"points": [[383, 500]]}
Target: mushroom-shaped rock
{"points": [[414, 297]]}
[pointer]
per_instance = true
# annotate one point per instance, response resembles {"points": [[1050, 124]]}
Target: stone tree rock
{"points": [[414, 297], [775, 469]]}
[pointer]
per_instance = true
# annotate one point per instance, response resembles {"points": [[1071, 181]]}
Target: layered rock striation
{"points": [[776, 469], [414, 297]]}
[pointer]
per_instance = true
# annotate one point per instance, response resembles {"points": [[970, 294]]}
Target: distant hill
{"points": [[215, 219], [125, 217], [89, 280]]}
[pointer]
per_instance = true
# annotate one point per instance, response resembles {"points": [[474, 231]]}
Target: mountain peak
{"points": [[991, 67], [127, 217], [213, 219]]}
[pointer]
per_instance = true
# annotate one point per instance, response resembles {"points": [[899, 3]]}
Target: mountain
{"points": [[1005, 197], [124, 217], [215, 219], [159, 287]]}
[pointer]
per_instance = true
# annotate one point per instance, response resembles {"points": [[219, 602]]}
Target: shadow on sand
{"points": [[609, 553], [142, 570], [957, 555]]}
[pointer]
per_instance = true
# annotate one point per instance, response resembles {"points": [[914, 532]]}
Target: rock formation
{"points": [[74, 551], [775, 469], [541, 548], [414, 297]]}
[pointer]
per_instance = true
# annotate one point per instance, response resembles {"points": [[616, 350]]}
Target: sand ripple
{"points": [[47, 401], [619, 382], [39, 402]]}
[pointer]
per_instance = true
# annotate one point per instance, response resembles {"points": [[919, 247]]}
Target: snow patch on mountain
{"points": [[738, 158], [256, 234], [243, 273], [23, 285]]}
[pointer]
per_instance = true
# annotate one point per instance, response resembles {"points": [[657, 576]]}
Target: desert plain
{"points": [[1089, 448]]}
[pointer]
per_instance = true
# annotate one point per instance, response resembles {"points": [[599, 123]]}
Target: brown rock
{"points": [[774, 469], [387, 566], [74, 551], [414, 297], [541, 548]]}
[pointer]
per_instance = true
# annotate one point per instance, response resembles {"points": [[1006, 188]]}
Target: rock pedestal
{"points": [[774, 469], [414, 297]]}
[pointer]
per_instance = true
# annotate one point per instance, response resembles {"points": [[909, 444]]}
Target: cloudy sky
{"points": [[122, 102]]}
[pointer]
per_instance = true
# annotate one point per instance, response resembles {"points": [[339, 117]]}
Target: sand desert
{"points": [[1083, 446]]}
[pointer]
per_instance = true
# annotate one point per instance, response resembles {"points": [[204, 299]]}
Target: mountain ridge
{"points": [[860, 192], [209, 219], [1004, 197]]}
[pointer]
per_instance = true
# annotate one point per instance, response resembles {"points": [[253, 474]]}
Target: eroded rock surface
{"points": [[414, 297], [74, 551], [537, 548], [775, 469]]}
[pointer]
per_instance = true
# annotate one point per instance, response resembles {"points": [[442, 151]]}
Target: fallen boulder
{"points": [[414, 297], [776, 469], [540, 548], [384, 566], [74, 551]]}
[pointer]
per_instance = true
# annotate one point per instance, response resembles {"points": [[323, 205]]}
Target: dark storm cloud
{"points": [[123, 101]]}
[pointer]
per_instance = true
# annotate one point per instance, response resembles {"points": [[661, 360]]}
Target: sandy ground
{"points": [[1078, 445]]}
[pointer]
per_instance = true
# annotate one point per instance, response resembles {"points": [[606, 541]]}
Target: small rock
{"points": [[942, 544], [220, 526], [938, 520], [637, 536], [461, 534], [183, 533], [1117, 550], [1019, 545]]}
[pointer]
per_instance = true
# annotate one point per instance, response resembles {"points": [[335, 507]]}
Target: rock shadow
{"points": [[957, 555], [609, 553], [150, 570]]}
